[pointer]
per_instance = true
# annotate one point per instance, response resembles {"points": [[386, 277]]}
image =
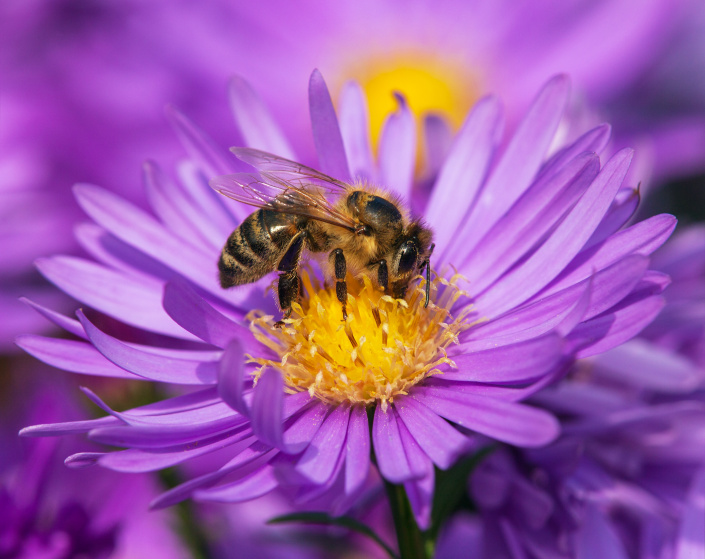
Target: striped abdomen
{"points": [[255, 248]]}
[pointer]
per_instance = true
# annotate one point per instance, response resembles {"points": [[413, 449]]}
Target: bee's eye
{"points": [[408, 254]]}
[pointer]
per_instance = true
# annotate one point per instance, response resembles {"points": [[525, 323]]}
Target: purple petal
{"points": [[463, 172], [357, 462], [149, 365], [231, 377], [620, 212], [71, 325], [133, 301], [188, 309], [560, 248], [83, 459], [516, 362], [67, 427], [691, 535], [420, 493], [318, 461], [397, 150], [255, 485], [438, 439], [74, 356], [642, 238], [326, 134], [388, 448], [354, 128], [643, 364], [254, 120], [597, 538], [179, 212], [246, 463], [267, 408], [519, 163], [304, 428], [505, 421], [212, 159], [529, 220], [419, 463], [593, 141], [437, 140], [614, 328], [140, 230]]}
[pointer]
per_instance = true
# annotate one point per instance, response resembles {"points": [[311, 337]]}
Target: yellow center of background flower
{"points": [[430, 85], [386, 346]]}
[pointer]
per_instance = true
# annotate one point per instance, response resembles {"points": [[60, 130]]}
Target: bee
{"points": [[362, 229]]}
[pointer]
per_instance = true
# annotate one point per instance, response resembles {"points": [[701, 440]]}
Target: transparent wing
{"points": [[291, 171], [270, 191]]}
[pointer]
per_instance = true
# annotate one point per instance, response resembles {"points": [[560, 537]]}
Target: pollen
{"points": [[385, 346]]}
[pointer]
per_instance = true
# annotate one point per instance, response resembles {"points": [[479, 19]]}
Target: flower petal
{"points": [[596, 537], [254, 120], [388, 447], [691, 536], [438, 439], [149, 365], [231, 377], [354, 128], [397, 150], [462, 173], [320, 457], [420, 494], [357, 462], [255, 485], [326, 133], [505, 421]]}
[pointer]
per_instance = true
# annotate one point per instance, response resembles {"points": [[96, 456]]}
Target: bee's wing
{"points": [[292, 172], [272, 192]]}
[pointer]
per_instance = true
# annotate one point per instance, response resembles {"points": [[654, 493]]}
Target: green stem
{"points": [[412, 543]]}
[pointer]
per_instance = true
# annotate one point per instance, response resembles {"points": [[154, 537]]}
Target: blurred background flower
{"points": [[84, 86]]}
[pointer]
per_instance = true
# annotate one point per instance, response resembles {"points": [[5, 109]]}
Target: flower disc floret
{"points": [[385, 347]]}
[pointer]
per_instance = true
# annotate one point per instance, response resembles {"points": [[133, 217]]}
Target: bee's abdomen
{"points": [[253, 249]]}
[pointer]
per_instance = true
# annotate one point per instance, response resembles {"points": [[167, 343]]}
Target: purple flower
{"points": [[51, 512], [550, 272]]}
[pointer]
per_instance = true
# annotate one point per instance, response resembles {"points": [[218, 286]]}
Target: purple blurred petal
{"points": [[321, 456], [505, 421], [517, 362], [560, 248], [74, 356], [596, 537], [397, 150], [691, 536], [67, 427], [254, 120], [438, 439], [202, 149], [463, 172], [437, 138], [354, 128], [83, 459], [357, 459], [267, 410], [326, 133]]}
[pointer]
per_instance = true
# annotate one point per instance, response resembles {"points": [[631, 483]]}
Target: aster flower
{"points": [[551, 273], [49, 511]]}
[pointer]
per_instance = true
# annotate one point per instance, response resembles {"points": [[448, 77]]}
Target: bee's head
{"points": [[410, 256]]}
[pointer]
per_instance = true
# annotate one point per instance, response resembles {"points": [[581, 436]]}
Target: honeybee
{"points": [[363, 230]]}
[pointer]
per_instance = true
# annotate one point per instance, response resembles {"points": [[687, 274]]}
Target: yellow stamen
{"points": [[385, 347]]}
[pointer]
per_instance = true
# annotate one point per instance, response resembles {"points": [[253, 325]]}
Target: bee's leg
{"points": [[428, 276], [383, 275], [289, 287], [341, 288]]}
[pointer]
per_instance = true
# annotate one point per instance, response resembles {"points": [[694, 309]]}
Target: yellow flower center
{"points": [[430, 84], [385, 347]]}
